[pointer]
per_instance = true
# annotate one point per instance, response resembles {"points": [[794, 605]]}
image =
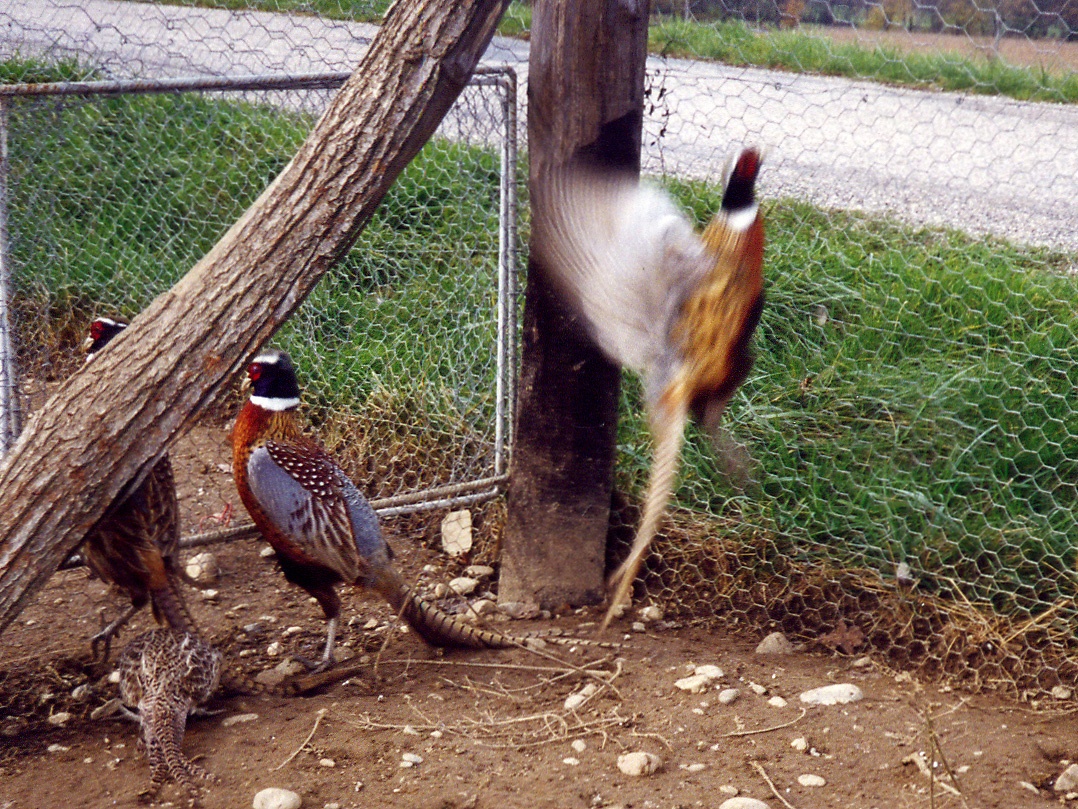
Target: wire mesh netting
{"points": [[402, 349], [897, 474]]}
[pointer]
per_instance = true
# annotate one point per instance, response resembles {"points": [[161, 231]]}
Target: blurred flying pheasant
{"points": [[677, 307]]}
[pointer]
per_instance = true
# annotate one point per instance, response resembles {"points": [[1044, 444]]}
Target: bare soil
{"points": [[1055, 56], [491, 727]]}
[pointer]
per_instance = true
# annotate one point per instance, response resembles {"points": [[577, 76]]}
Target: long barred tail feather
{"points": [[668, 428]]}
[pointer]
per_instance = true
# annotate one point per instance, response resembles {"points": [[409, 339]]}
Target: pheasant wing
{"points": [[624, 257], [297, 488]]}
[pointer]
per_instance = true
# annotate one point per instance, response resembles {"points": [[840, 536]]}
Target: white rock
{"points": [[838, 694], [82, 692], [741, 802], [579, 745], [862, 662], [327, 762], [757, 689], [651, 613], [412, 758], [203, 568], [574, 701], [209, 595], [1062, 692], [479, 571], [639, 763], [267, 552], [714, 672], [728, 789], [483, 606], [809, 780], [694, 767], [697, 683], [59, 718], [463, 585], [275, 798], [572, 762], [800, 744], [639, 626], [57, 748], [777, 702], [457, 532], [114, 677], [775, 644], [274, 649], [1067, 780], [441, 590], [237, 719], [292, 630], [729, 695]]}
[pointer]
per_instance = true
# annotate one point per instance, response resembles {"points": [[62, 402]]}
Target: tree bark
{"points": [[95, 435], [585, 101]]}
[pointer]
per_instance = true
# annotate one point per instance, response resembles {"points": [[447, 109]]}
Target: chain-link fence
{"points": [[898, 474], [115, 189]]}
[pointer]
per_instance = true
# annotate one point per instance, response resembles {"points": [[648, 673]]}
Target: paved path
{"points": [[978, 163]]}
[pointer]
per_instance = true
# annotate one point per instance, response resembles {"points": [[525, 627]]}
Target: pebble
{"points": [[639, 626], [800, 744], [57, 748], [203, 568], [757, 689], [209, 595], [574, 701], [1067, 780], [411, 759], [326, 762], [639, 763], [729, 695], [651, 613], [777, 702], [82, 692], [59, 718], [572, 762], [267, 552], [275, 798], [579, 745], [292, 630], [775, 644], [694, 767], [809, 780], [463, 585], [742, 802], [457, 532], [837, 694], [729, 789], [702, 677], [114, 677], [274, 649], [479, 571], [1062, 692], [237, 719], [862, 662], [484, 606]]}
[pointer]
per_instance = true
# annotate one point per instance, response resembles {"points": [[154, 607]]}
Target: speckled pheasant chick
{"points": [[165, 675]]}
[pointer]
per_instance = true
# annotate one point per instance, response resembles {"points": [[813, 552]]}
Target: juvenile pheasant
{"points": [[323, 530], [135, 545], [675, 306], [165, 675]]}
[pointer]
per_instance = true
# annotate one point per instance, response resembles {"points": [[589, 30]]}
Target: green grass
{"points": [[913, 397], [738, 44]]}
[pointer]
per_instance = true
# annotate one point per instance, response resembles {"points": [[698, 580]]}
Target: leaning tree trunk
{"points": [[102, 428], [585, 100]]}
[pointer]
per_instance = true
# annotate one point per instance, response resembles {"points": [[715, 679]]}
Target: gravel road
{"points": [[981, 164]]}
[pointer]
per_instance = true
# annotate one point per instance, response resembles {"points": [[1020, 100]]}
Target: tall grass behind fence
{"points": [[114, 198]]}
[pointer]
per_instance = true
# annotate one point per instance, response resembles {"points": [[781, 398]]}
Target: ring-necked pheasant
{"points": [[165, 675], [323, 530], [676, 306], [135, 545]]}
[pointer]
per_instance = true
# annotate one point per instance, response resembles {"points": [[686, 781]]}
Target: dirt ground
{"points": [[491, 727], [1055, 56]]}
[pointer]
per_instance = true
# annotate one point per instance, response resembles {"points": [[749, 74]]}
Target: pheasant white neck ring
{"points": [[742, 219], [275, 403]]}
